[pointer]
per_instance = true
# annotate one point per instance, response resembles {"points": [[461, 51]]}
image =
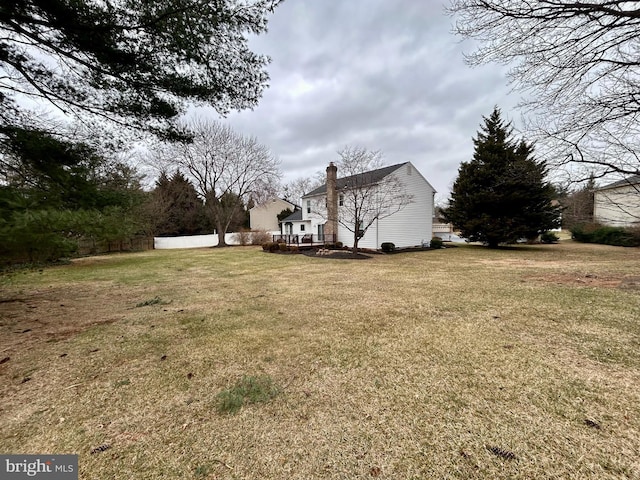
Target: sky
{"points": [[384, 75]]}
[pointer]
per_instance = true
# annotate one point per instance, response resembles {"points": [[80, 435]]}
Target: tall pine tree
{"points": [[176, 207], [501, 195]]}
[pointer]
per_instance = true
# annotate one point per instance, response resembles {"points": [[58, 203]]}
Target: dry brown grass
{"points": [[455, 363]]}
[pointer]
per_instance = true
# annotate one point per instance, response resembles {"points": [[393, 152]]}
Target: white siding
{"points": [[318, 212], [409, 227], [617, 207], [296, 227]]}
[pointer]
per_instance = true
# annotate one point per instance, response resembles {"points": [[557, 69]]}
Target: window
{"points": [[409, 171], [308, 206], [302, 228], [341, 203]]}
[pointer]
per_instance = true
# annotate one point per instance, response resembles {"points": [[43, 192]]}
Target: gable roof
{"points": [[295, 216], [366, 178], [273, 200], [632, 180]]}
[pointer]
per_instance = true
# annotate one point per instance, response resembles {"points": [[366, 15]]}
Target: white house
{"points": [[618, 204], [326, 210], [265, 215]]}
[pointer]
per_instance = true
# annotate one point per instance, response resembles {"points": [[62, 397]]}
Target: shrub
{"points": [[270, 246], [283, 247], [593, 233], [387, 247], [260, 237], [436, 242], [583, 232], [243, 237], [339, 245], [615, 236], [549, 237]]}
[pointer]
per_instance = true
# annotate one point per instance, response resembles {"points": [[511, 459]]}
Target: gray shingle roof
{"points": [[297, 215], [366, 178], [632, 180]]}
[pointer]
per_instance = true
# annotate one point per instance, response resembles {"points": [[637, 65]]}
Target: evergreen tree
{"points": [[178, 210], [138, 63], [53, 191], [501, 195]]}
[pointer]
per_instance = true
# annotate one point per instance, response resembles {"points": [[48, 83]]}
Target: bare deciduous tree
{"points": [[294, 190], [226, 165], [365, 197], [578, 64]]}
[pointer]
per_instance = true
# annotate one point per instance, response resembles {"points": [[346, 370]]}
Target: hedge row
{"points": [[594, 233]]}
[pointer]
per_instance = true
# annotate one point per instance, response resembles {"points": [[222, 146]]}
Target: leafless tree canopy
{"points": [[226, 168], [364, 201], [578, 64], [294, 190]]}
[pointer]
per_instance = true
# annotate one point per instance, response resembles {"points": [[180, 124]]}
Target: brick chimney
{"points": [[331, 227]]}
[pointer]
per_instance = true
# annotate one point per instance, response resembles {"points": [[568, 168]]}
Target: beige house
{"points": [[265, 215], [618, 204]]}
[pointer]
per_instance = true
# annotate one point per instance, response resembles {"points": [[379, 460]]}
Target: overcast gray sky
{"points": [[385, 75]]}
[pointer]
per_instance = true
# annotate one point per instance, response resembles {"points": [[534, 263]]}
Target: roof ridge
{"points": [[632, 180], [374, 174]]}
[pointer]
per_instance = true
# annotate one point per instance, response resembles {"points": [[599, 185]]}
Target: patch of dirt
{"points": [[526, 263], [589, 280], [632, 283], [336, 255], [54, 314]]}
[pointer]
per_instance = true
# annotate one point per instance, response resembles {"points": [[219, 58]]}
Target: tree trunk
{"points": [[222, 231]]}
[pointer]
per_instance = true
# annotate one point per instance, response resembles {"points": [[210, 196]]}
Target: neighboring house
{"points": [[265, 215], [618, 204], [322, 207], [441, 228]]}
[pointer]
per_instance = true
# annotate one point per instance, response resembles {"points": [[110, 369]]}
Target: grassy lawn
{"points": [[219, 364]]}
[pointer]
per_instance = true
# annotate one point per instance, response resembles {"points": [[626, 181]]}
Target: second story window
{"points": [[341, 201], [308, 206]]}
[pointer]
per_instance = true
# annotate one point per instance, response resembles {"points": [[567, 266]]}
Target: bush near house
{"points": [[259, 237], [595, 233], [270, 246], [387, 247], [436, 242], [273, 247]]}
